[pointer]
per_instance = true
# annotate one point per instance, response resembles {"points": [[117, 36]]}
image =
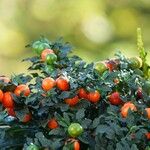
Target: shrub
{"points": [[65, 103]]}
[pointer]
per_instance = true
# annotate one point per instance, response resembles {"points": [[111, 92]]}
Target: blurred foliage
{"points": [[96, 28]]}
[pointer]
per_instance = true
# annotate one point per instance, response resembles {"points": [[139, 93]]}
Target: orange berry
{"points": [[48, 83], [1, 95], [125, 108], [76, 145], [22, 88], [8, 100], [72, 101], [52, 124], [82, 93], [94, 96], [62, 84], [148, 112], [148, 135]]}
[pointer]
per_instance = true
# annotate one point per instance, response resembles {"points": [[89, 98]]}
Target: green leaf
{"points": [[134, 147], [3, 114], [80, 114], [57, 131], [86, 123], [96, 122], [101, 129], [43, 140], [119, 146], [66, 118], [64, 107], [21, 113], [64, 95], [63, 124]]}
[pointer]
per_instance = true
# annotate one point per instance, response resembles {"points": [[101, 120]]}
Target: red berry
{"points": [[22, 88], [82, 93], [139, 93], [52, 124], [115, 99], [48, 83], [11, 112], [27, 118], [94, 96], [1, 95], [8, 100], [148, 135], [72, 101], [62, 84]]}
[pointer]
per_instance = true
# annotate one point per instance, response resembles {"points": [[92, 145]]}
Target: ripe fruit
{"points": [[135, 62], [27, 118], [45, 53], [51, 58], [115, 99], [32, 147], [22, 89], [48, 83], [148, 135], [1, 95], [8, 100], [82, 93], [100, 67], [5, 79], [72, 101], [148, 112], [125, 108], [11, 112], [139, 93], [94, 96], [76, 145], [39, 46], [52, 124], [75, 129], [62, 84], [111, 64]]}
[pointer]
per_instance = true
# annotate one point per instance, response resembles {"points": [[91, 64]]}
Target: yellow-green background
{"points": [[96, 28]]}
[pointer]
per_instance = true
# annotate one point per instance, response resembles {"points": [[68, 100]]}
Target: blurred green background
{"points": [[96, 28]]}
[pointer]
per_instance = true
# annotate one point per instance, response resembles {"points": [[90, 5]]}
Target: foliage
{"points": [[103, 125], [100, 25]]}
